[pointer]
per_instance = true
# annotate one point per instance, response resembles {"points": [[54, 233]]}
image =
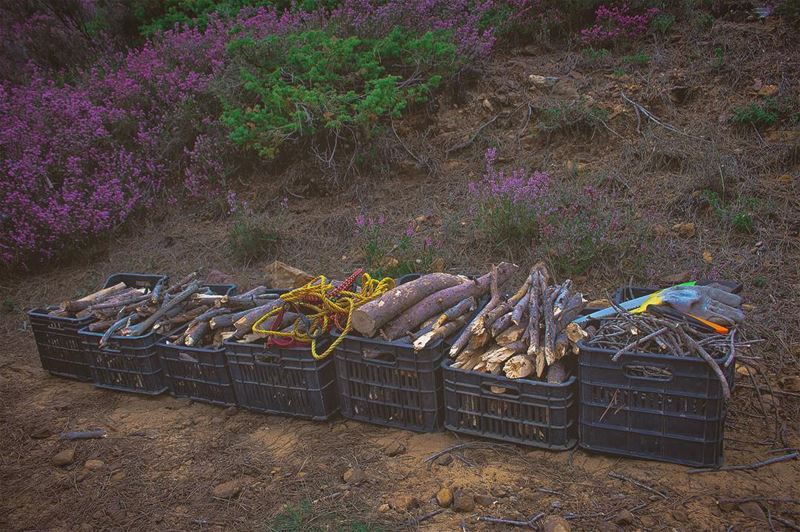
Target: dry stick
{"points": [[748, 467], [414, 521], [463, 145], [637, 483], [174, 302], [651, 116], [462, 340], [726, 389], [638, 342], [437, 454], [534, 311], [119, 303], [530, 523], [117, 325]]}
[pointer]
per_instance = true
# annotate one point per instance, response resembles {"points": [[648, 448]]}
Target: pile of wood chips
{"points": [[526, 334]]}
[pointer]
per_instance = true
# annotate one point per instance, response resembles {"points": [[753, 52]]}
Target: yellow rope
{"points": [[321, 309]]}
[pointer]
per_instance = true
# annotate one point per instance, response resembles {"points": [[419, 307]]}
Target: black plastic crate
{"points": [[129, 363], [388, 383], [652, 406], [286, 381], [60, 348], [528, 412], [200, 373]]}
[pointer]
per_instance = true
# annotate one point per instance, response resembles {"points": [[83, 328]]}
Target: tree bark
{"points": [[444, 299], [142, 327], [370, 317], [96, 297]]}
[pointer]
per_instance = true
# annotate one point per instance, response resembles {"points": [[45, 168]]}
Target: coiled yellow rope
{"points": [[322, 305]]}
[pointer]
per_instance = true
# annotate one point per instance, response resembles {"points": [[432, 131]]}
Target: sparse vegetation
{"points": [[765, 113], [737, 215]]}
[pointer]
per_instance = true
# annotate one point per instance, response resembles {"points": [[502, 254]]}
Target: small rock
{"points": [[752, 509], [542, 81], [383, 508], [403, 503], [555, 523], [395, 448], [231, 411], [487, 105], [227, 490], [484, 500], [680, 515], [785, 179], [463, 501], [707, 258], [116, 476], [444, 497], [556, 504], [623, 518], [354, 476], [768, 90], [64, 458], [685, 230], [444, 460], [499, 491], [94, 465], [41, 433]]}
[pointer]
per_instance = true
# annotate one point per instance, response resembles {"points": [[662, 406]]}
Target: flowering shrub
{"points": [[617, 23], [387, 254], [510, 206], [577, 227]]}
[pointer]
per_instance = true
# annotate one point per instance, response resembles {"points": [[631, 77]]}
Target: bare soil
{"points": [[163, 457]]}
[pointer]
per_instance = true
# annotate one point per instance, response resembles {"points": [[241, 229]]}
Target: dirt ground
{"points": [[163, 456]]}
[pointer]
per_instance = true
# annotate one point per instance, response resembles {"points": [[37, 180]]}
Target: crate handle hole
{"points": [[650, 373], [496, 389], [381, 357]]}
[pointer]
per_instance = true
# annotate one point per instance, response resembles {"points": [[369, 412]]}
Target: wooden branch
{"points": [[444, 299], [142, 327], [463, 339], [501, 324], [439, 333], [116, 326], [96, 297], [521, 307], [371, 316]]}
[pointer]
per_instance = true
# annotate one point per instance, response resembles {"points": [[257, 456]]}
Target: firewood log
{"points": [[96, 297], [462, 308], [158, 291], [122, 322], [476, 341], [521, 307], [244, 324], [556, 372], [141, 328], [561, 347], [180, 285], [439, 333], [101, 325], [534, 313], [120, 300], [504, 307], [518, 367], [226, 320], [464, 338], [550, 332], [371, 316], [444, 299], [199, 326], [572, 309], [561, 299], [501, 324], [510, 335], [575, 333]]}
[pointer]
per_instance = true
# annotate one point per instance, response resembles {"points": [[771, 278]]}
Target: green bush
{"points": [[250, 238], [765, 113], [637, 59], [738, 215], [317, 86]]}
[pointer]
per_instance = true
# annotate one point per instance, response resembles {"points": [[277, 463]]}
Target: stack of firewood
{"points": [[427, 309], [526, 334], [124, 311]]}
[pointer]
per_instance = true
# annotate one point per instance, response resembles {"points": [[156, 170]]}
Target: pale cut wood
{"points": [[439, 333], [510, 335], [518, 367]]}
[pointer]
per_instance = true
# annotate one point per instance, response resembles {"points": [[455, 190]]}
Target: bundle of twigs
{"points": [[213, 319], [524, 334], [665, 334]]}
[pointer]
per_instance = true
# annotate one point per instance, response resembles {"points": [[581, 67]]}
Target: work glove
{"points": [[704, 302]]}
